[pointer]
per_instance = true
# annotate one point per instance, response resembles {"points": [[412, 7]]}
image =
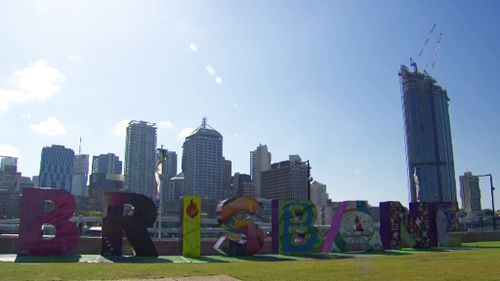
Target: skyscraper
{"points": [[106, 173], [80, 175], [169, 171], [470, 193], [242, 184], [140, 158], [202, 162], [319, 197], [106, 164], [227, 186], [56, 167], [260, 160], [429, 149], [286, 180]]}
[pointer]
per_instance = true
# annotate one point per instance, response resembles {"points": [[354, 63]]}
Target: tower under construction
{"points": [[429, 149]]}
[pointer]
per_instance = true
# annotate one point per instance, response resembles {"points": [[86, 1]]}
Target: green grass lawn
{"points": [[475, 261]]}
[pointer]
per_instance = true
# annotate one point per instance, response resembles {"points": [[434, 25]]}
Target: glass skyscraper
{"points": [[140, 158], [202, 162], [428, 138], [56, 167]]}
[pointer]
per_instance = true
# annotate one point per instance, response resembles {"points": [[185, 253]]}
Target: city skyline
{"points": [[195, 55]]}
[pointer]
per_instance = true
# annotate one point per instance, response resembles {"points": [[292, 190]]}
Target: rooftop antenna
{"points": [[80, 147], [204, 122]]}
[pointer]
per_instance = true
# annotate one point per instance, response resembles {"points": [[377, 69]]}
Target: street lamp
{"points": [[492, 197]]}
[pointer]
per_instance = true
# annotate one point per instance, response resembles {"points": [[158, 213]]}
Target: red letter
{"points": [[33, 217]]}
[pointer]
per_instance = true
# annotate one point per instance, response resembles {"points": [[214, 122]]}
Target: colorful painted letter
{"points": [[191, 226], [357, 229], [142, 214], [34, 216], [296, 233], [446, 222], [396, 226], [424, 223], [243, 235]]}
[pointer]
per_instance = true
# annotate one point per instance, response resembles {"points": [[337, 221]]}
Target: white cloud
{"points": [[165, 124], [26, 116], [74, 58], [120, 128], [210, 69], [38, 81], [8, 150], [51, 127], [184, 133], [218, 80], [193, 47]]}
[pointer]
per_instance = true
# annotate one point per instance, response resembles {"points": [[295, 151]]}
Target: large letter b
{"points": [[34, 216]]}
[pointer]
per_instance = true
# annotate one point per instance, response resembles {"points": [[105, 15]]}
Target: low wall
{"points": [[478, 236], [92, 245]]}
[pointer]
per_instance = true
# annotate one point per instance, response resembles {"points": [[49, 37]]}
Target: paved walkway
{"points": [[192, 278]]}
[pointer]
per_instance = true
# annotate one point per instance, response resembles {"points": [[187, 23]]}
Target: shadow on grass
{"points": [[137, 259], [267, 258], [35, 259], [471, 247], [209, 259]]}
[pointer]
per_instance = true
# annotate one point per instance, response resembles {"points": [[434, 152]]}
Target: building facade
{"points": [[202, 162], [169, 171], [260, 160], [106, 164], [319, 197], [470, 194], [177, 186], [286, 180], [429, 149], [227, 184], [242, 183], [140, 158], [80, 175], [56, 167]]}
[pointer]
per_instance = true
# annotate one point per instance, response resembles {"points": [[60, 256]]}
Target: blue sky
{"points": [[317, 79]]}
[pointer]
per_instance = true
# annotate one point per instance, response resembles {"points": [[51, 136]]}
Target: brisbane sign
{"points": [[353, 228]]}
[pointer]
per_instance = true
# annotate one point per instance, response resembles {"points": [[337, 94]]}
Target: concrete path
{"points": [[192, 278]]}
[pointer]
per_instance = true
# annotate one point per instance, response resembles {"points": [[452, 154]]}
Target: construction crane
{"points": [[426, 42], [436, 50]]}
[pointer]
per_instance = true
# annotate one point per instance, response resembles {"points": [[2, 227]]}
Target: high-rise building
{"points": [[56, 167], [260, 160], [227, 185], [319, 197], [8, 174], [169, 171], [106, 173], [286, 180], [470, 194], [106, 164], [140, 158], [11, 185], [240, 184], [177, 184], [80, 175], [202, 162], [428, 138]]}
